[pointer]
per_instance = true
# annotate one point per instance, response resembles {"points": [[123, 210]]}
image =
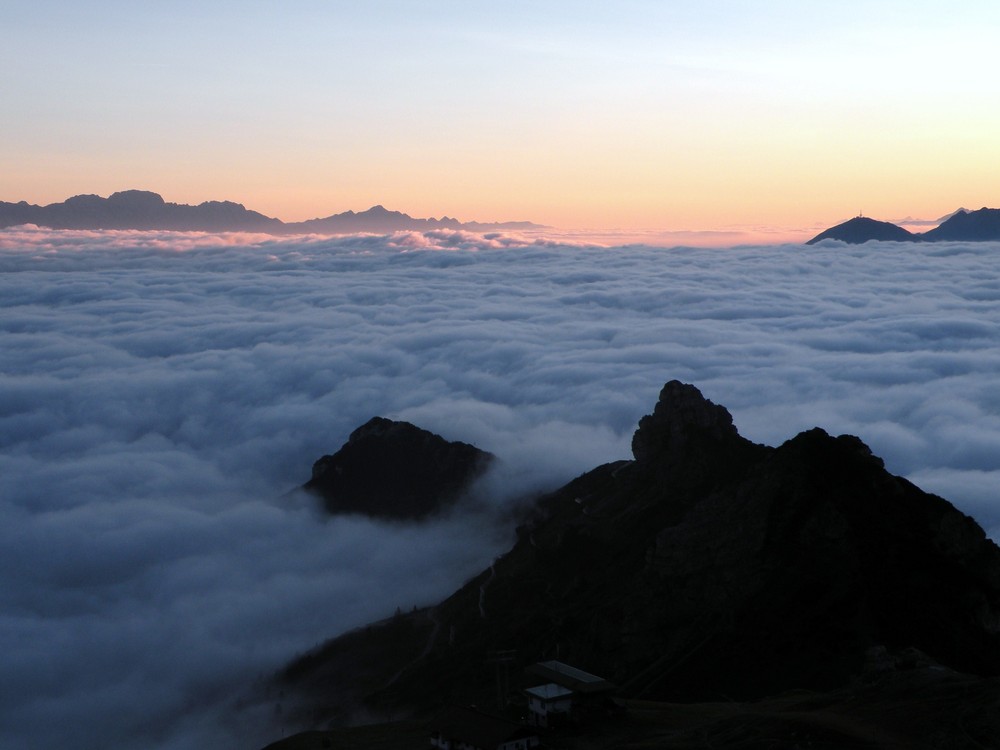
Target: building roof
{"points": [[570, 677], [549, 692]]}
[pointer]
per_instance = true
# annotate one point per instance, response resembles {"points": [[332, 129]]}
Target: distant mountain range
{"points": [[963, 225], [142, 209]]}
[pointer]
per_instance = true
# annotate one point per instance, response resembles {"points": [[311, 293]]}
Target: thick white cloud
{"points": [[159, 393]]}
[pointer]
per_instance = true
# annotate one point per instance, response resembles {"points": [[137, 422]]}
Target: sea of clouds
{"points": [[160, 393]]}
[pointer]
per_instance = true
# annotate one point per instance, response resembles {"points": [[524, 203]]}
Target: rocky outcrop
{"points": [[396, 470], [708, 566], [680, 416], [137, 209]]}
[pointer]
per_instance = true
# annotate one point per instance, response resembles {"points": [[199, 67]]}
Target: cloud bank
{"points": [[160, 392]]}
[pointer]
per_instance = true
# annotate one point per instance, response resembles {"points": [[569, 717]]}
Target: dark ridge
{"points": [[974, 226], [862, 229], [965, 226], [708, 568], [395, 470], [145, 210]]}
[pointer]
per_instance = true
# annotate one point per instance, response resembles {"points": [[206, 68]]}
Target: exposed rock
{"points": [[687, 447], [390, 469], [708, 567], [680, 414]]}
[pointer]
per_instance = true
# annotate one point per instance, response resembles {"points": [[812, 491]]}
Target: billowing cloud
{"points": [[160, 392]]}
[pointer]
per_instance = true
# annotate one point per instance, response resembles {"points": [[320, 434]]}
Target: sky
{"points": [[161, 393], [782, 117]]}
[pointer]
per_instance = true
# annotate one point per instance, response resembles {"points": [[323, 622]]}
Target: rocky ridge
{"points": [[395, 470], [708, 567], [146, 210]]}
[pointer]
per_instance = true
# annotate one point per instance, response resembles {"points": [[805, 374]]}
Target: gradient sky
{"points": [[676, 115]]}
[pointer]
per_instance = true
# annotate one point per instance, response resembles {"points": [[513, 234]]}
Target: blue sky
{"points": [[675, 115]]}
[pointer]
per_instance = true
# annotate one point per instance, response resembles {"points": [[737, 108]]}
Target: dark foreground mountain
{"points": [[918, 707], [708, 568], [144, 210], [396, 470], [969, 226]]}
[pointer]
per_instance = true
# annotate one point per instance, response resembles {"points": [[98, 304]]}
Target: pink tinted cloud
{"points": [[35, 238], [30, 236]]}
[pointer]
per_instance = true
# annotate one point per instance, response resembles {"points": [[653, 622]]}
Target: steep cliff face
{"points": [[815, 555], [390, 469], [708, 566]]}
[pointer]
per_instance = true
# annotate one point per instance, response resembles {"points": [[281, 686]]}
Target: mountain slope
{"points": [[862, 229], [137, 209], [389, 469], [708, 566], [965, 226], [976, 226]]}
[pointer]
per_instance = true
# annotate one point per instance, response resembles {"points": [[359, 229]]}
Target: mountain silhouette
{"points": [[375, 219], [706, 568], [962, 225], [862, 229], [390, 469], [145, 210], [977, 226]]}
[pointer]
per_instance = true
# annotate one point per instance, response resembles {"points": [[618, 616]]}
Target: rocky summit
{"points": [[395, 470], [707, 568], [861, 229]]}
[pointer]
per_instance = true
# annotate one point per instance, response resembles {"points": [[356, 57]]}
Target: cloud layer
{"points": [[160, 392]]}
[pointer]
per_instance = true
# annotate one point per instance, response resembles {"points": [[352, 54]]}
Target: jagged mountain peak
{"points": [[975, 226], [709, 566], [680, 413], [377, 427]]}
